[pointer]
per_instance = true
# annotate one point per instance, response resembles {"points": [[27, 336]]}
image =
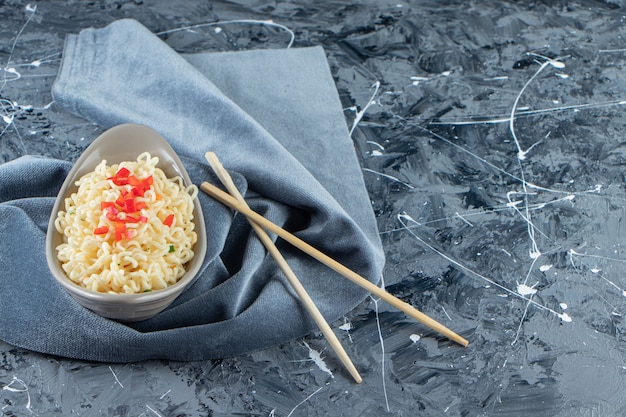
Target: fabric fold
{"points": [[274, 119]]}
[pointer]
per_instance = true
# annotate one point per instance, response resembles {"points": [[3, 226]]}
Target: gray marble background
{"points": [[491, 137]]}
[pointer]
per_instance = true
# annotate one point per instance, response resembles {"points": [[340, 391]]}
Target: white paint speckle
{"points": [[565, 317], [22, 388], [403, 216], [544, 268], [316, 357], [557, 64], [416, 80], [347, 326], [523, 289], [378, 145], [563, 306], [415, 337], [154, 411], [117, 381], [498, 78]]}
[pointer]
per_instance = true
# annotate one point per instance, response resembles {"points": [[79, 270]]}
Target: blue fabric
{"points": [[274, 119]]}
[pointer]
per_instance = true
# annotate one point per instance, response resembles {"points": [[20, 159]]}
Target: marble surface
{"points": [[491, 137]]}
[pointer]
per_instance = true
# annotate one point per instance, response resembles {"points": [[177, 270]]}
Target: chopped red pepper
{"points": [[129, 205], [112, 215], [139, 187], [100, 230], [107, 205], [131, 219], [169, 220], [120, 230], [120, 177], [133, 181], [126, 208]]}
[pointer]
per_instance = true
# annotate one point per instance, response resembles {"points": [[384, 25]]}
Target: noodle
{"points": [[127, 229]]}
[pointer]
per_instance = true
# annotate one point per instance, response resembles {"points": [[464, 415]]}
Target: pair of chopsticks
{"points": [[259, 223]]}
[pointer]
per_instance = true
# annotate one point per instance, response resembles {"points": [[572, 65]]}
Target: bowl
{"points": [[124, 143]]}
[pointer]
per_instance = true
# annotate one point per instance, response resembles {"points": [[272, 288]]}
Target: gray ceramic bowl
{"points": [[114, 146]]}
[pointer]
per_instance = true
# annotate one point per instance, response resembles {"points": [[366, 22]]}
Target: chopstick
{"points": [[233, 203], [332, 339]]}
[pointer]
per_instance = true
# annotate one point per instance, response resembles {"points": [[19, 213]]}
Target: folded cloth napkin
{"points": [[273, 117]]}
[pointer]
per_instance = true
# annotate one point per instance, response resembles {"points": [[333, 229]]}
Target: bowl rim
{"points": [[91, 156]]}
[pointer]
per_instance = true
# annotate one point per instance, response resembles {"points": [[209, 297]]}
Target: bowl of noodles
{"points": [[126, 235]]}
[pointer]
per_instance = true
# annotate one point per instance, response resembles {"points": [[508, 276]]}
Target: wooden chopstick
{"points": [[233, 203], [334, 342]]}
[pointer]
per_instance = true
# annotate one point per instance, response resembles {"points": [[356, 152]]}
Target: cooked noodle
{"points": [[127, 233]]}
